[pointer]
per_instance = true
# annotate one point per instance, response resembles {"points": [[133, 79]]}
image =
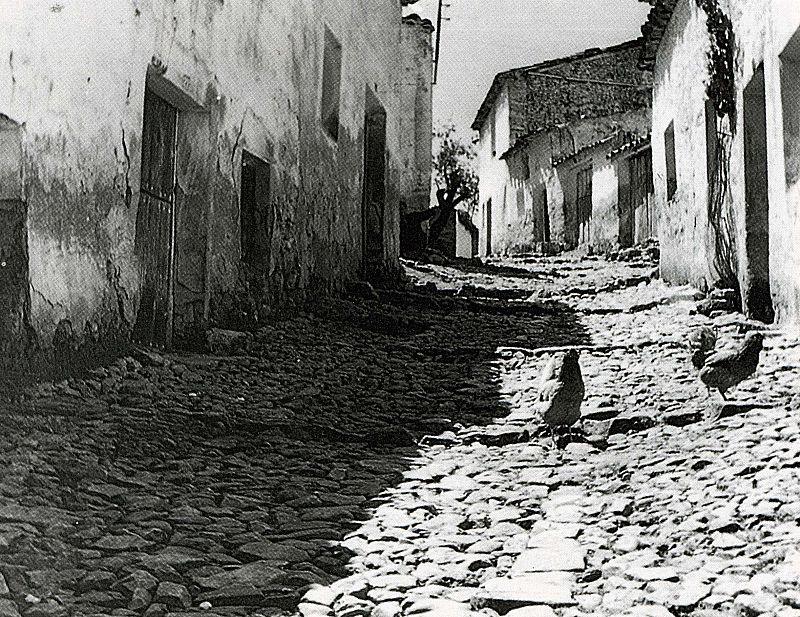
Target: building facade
{"points": [[605, 190], [166, 165], [726, 146], [416, 121], [536, 116]]}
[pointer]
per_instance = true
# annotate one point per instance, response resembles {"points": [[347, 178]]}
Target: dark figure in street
{"points": [[727, 369], [413, 239]]}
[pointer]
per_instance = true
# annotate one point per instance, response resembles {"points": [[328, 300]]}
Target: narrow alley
{"points": [[377, 457], [400, 308]]}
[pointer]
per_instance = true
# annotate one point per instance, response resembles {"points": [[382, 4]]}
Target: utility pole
{"points": [[438, 42]]}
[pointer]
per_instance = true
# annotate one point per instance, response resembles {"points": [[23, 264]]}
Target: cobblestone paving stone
{"points": [[289, 471], [692, 509]]}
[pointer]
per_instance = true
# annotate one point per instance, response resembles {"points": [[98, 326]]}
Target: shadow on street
{"points": [[236, 477]]}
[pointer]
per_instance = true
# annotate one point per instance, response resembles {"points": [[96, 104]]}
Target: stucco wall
{"points": [[679, 96], [493, 175], [416, 121], [604, 226], [762, 29], [75, 77], [463, 241], [529, 168]]}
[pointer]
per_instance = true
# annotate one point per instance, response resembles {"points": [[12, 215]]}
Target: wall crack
{"points": [[50, 303], [128, 190]]}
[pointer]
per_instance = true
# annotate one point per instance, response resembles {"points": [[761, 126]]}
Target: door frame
{"points": [[150, 337]]}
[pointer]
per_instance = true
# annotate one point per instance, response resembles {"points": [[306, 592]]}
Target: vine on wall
{"points": [[721, 92]]}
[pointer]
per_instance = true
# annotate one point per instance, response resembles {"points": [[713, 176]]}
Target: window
{"points": [[331, 84], [669, 150]]}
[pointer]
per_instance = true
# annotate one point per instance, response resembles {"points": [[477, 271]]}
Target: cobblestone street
{"points": [[378, 458]]}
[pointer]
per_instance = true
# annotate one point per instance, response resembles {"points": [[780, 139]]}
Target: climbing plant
{"points": [[721, 93]]}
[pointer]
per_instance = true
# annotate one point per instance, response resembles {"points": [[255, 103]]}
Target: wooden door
{"points": [[257, 217], [641, 188], [488, 227], [583, 206], [155, 225], [545, 216]]}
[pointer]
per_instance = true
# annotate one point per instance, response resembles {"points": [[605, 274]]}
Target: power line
{"points": [[438, 41]]}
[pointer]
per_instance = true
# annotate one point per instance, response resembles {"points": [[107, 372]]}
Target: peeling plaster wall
{"points": [[520, 179], [679, 96], [74, 77], [762, 28], [604, 223]]}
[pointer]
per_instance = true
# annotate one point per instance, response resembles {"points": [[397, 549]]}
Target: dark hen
{"points": [[727, 369], [561, 391], [702, 342]]}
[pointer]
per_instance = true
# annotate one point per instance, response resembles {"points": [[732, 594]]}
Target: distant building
{"points": [[545, 133], [612, 181], [726, 147], [173, 165]]}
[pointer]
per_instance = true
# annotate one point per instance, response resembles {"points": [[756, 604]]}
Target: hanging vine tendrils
{"points": [[721, 92]]}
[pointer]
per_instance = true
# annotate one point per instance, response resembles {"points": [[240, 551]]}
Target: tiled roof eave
{"points": [[653, 31], [630, 148], [584, 149]]}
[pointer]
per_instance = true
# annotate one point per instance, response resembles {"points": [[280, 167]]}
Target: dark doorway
{"points": [[757, 295], [374, 197], [14, 284], [583, 206], [545, 216], [625, 210], [255, 211], [637, 220], [155, 224], [488, 227], [671, 161]]}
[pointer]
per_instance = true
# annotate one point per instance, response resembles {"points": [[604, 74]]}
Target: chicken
{"points": [[727, 369], [561, 391], [701, 344]]}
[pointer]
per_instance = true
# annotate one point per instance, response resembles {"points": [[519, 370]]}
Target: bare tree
{"points": [[455, 177]]}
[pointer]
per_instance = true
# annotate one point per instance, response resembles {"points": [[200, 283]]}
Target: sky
{"points": [[485, 37]]}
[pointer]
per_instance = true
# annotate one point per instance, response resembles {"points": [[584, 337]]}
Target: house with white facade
{"points": [[726, 147], [169, 165], [545, 136]]}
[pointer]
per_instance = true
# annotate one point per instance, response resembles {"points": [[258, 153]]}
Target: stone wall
{"points": [[601, 84], [245, 76]]}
